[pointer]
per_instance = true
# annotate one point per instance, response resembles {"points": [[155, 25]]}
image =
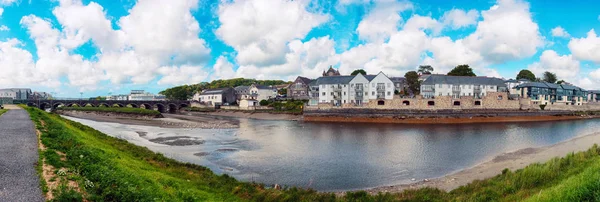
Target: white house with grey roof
{"points": [[216, 97], [359, 89], [260, 92], [460, 86]]}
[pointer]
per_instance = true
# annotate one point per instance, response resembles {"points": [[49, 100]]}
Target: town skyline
{"points": [[100, 47]]}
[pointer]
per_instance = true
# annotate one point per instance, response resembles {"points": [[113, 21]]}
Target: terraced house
{"points": [[299, 89], [544, 93], [460, 86], [355, 90], [594, 96]]}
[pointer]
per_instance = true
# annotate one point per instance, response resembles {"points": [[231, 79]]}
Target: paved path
{"points": [[18, 157]]}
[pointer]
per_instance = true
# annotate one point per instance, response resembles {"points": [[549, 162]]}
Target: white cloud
{"points": [[259, 31], [565, 67], [587, 48], [174, 75], [560, 32], [7, 2], [418, 22], [4, 28], [506, 33], [382, 21], [223, 69], [1, 11], [309, 59], [457, 18], [448, 54], [595, 74]]}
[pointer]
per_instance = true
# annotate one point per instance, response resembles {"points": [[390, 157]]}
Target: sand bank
{"points": [[513, 160]]}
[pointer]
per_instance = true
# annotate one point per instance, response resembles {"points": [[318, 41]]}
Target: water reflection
{"points": [[339, 156]]}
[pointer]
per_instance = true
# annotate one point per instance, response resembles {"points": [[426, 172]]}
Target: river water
{"points": [[344, 156]]}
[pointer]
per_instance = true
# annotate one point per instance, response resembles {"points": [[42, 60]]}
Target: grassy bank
{"points": [[2, 111], [121, 110], [109, 169]]}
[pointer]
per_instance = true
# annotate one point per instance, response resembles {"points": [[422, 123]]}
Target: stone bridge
{"points": [[161, 106]]}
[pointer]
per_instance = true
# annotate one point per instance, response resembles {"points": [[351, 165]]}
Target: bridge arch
{"points": [[31, 104], [172, 108], [103, 105], [57, 105], [118, 105], [183, 105], [133, 105], [89, 104], [73, 104], [45, 105], [146, 106]]}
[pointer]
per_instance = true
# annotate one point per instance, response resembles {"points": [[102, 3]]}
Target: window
{"points": [[491, 87], [373, 93], [366, 93], [456, 103], [332, 93], [499, 97], [440, 94], [470, 86], [388, 85], [352, 85], [431, 103], [344, 85], [344, 93], [323, 93], [477, 103], [389, 93], [373, 85], [440, 85], [406, 102], [380, 102]]}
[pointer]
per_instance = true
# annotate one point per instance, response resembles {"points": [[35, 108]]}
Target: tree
{"points": [[425, 69], [526, 74], [283, 91], [359, 71], [461, 70], [412, 80], [549, 77], [263, 103], [561, 82]]}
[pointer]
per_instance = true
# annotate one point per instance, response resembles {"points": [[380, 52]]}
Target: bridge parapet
{"points": [[162, 106]]}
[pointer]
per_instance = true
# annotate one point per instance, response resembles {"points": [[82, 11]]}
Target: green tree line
{"points": [[185, 92]]}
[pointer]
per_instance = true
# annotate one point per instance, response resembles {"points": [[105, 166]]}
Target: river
{"points": [[343, 156]]}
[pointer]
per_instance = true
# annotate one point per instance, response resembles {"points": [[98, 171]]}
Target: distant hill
{"points": [[187, 91]]}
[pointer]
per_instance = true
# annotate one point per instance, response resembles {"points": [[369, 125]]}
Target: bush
{"points": [[542, 107], [263, 103]]}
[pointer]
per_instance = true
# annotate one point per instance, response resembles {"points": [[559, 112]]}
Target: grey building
{"points": [[594, 96], [242, 93], [299, 88], [399, 83], [216, 97], [16, 93], [550, 93], [460, 86]]}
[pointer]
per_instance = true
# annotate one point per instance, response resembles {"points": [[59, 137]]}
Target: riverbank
{"points": [[250, 115], [169, 121], [512, 160], [443, 120]]}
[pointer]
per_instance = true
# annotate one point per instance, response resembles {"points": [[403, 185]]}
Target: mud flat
{"points": [[512, 160], [251, 115], [441, 120], [170, 121]]}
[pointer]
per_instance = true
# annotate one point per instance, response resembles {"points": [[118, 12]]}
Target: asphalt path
{"points": [[18, 158]]}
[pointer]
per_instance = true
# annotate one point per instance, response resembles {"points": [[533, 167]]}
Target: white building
{"points": [[216, 97], [260, 92], [460, 86], [359, 89], [16, 93]]}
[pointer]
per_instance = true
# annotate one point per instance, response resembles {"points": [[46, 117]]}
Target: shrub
{"points": [[542, 107], [263, 103]]}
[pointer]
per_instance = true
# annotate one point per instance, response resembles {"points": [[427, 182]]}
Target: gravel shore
{"points": [[18, 157]]}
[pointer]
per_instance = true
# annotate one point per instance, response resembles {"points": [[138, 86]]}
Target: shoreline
{"points": [[513, 160], [169, 120], [442, 120], [252, 115]]}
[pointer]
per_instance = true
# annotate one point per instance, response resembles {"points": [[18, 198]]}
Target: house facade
{"points": [[331, 72], [242, 93], [16, 93], [355, 90], [299, 89], [399, 83], [216, 97], [594, 96], [543, 93], [460, 86], [260, 92]]}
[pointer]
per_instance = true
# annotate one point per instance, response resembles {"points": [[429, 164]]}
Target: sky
{"points": [[102, 47]]}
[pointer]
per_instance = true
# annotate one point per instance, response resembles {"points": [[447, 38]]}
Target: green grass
{"points": [[120, 171], [2, 111], [122, 110]]}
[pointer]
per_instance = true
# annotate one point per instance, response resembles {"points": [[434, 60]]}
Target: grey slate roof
{"points": [[462, 80], [264, 87], [370, 77], [333, 80], [305, 80], [241, 88], [550, 85], [214, 91], [595, 91], [398, 79]]}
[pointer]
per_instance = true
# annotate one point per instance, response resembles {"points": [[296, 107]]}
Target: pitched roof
{"points": [[594, 91], [370, 77], [550, 85], [333, 80], [305, 80], [461, 80], [214, 91], [263, 87]]}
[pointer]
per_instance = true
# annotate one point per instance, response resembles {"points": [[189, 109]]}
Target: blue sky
{"points": [[109, 46]]}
